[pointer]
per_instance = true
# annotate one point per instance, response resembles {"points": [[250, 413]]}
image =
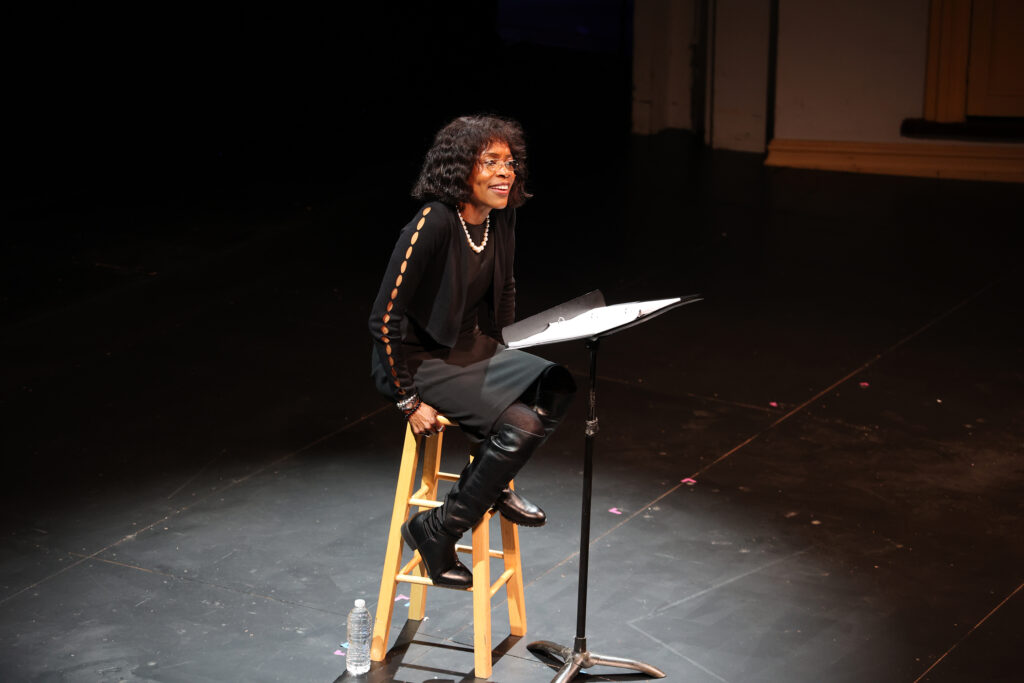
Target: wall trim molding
{"points": [[1000, 163]]}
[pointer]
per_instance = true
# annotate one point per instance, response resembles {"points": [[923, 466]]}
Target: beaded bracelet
{"points": [[412, 409], [409, 405]]}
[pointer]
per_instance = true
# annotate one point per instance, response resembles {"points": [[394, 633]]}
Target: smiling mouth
{"points": [[499, 188]]}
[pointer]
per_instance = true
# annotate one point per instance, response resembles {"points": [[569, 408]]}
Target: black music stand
{"points": [[578, 657]]}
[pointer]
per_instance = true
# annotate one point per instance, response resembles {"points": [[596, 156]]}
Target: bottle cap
{"points": [[360, 603]]}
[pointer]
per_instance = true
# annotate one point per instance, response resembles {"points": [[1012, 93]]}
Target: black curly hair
{"points": [[450, 160]]}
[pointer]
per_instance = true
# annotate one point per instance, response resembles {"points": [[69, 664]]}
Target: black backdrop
{"points": [[134, 104]]}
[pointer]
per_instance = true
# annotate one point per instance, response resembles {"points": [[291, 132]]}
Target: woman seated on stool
{"points": [[446, 295]]}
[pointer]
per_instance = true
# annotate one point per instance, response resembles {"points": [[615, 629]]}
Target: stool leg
{"points": [[482, 597], [393, 557], [418, 596], [514, 588], [431, 465]]}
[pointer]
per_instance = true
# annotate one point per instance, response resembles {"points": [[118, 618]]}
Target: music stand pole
{"points": [[578, 656]]}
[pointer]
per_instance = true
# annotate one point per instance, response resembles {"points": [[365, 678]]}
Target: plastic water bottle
{"points": [[360, 631]]}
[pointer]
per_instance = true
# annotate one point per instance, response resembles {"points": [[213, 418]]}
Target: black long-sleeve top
{"points": [[424, 284]]}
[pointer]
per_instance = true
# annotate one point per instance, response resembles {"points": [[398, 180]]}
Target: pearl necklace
{"points": [[487, 230]]}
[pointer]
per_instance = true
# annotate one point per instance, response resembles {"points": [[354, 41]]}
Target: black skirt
{"points": [[473, 382]]}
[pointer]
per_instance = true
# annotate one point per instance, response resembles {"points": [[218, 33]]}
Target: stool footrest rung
{"points": [[499, 554], [413, 563], [502, 580], [424, 581], [425, 502], [416, 559], [447, 476], [412, 578]]}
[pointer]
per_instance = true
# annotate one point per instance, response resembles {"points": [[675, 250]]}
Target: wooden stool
{"points": [[414, 573]]}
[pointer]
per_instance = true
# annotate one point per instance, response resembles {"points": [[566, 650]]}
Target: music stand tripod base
{"points": [[574, 661]]}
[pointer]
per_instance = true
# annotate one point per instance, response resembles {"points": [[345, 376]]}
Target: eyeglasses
{"points": [[492, 165]]}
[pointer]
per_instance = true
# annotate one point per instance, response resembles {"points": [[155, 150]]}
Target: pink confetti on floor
{"points": [[615, 511], [401, 597], [773, 404], [689, 481], [864, 385], [339, 652]]}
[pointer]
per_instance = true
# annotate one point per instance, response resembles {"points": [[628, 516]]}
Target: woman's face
{"points": [[491, 186]]}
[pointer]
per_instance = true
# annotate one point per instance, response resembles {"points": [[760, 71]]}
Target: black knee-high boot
{"points": [[434, 532], [555, 392], [551, 408]]}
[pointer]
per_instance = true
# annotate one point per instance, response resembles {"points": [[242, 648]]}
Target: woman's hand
{"points": [[424, 421]]}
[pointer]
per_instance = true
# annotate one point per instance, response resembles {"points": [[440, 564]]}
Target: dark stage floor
{"points": [[199, 474]]}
